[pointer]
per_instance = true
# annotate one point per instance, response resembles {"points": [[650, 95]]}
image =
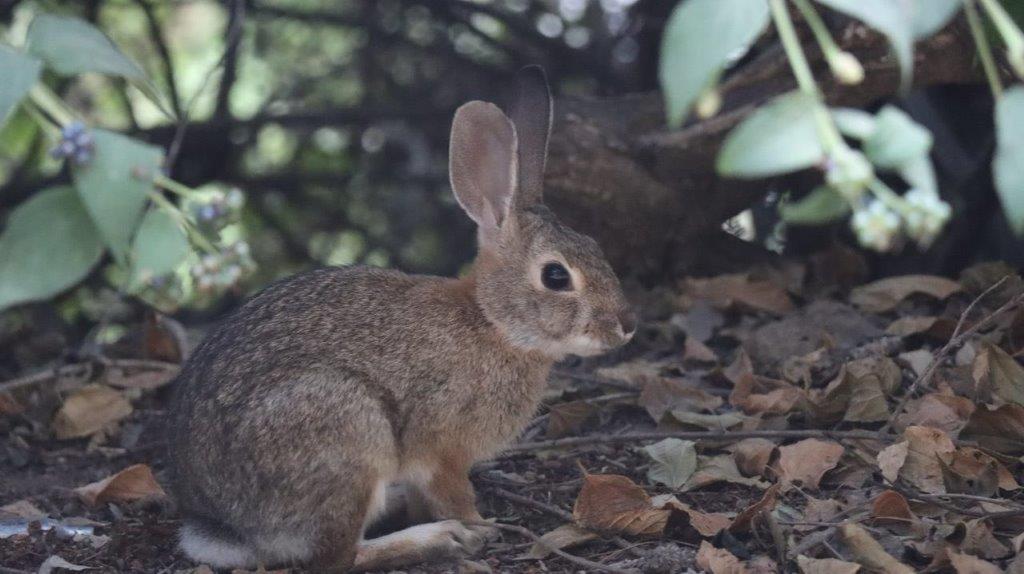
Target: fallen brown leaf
{"points": [[715, 469], [869, 553], [885, 294], [976, 537], [660, 395], [146, 380], [707, 524], [825, 566], [22, 509], [89, 410], [891, 506], [9, 405], [936, 410], [566, 419], [1001, 430], [718, 560], [936, 328], [807, 461], [739, 290], [971, 471], [765, 504], [761, 395], [133, 483], [998, 377], [565, 536], [752, 455], [916, 459], [818, 510], [967, 564], [698, 352], [918, 360], [614, 503]]}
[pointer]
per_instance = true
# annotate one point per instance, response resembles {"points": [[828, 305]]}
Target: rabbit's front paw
{"points": [[459, 539]]}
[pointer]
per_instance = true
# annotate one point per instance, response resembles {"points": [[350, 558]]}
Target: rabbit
{"points": [[293, 417]]}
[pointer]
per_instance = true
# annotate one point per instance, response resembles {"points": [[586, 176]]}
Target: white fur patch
{"points": [[422, 535], [213, 552]]}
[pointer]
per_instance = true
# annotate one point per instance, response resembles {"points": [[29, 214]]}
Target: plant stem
{"points": [[175, 213], [888, 196], [1010, 32], [984, 50], [818, 28], [172, 186], [827, 130], [50, 103]]}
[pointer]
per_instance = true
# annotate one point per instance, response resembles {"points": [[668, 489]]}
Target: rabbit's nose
{"points": [[628, 320]]}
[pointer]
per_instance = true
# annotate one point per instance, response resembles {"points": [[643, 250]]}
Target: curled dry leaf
{"points": [[885, 294], [916, 459], [1001, 430], [661, 394], [967, 564], [807, 461], [614, 503], [825, 566], [946, 412], [707, 524], [891, 506], [752, 455], [566, 419], [937, 328], [565, 536], [739, 290], [761, 395], [818, 510], [976, 537], [133, 483], [971, 471], [89, 410], [715, 469], [869, 553], [673, 461], [717, 422], [718, 560], [998, 377], [637, 372], [698, 352]]}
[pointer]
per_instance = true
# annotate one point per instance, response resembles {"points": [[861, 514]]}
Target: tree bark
{"points": [[651, 197]]}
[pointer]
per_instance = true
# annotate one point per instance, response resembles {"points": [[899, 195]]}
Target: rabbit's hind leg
{"points": [[422, 543]]}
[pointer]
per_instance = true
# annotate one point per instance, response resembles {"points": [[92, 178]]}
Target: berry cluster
{"points": [[76, 143], [223, 270], [219, 210]]}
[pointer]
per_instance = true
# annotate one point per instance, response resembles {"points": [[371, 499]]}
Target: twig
{"points": [[233, 36], [76, 369], [160, 41], [6, 570], [581, 562], [937, 500], [696, 435], [959, 336]]}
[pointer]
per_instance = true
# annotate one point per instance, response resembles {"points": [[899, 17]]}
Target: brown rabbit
{"points": [[297, 413]]}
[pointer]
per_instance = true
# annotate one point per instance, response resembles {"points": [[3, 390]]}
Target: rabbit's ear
{"points": [[482, 163], [531, 114]]}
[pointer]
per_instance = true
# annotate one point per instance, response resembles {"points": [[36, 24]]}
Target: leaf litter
{"points": [[777, 438]]}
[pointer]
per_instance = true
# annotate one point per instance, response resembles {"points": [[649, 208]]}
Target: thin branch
{"points": [[696, 435], [535, 504], [160, 41], [959, 336], [589, 565]]}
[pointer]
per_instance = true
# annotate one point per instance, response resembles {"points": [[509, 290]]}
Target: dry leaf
{"points": [[938, 328], [1001, 430], [57, 562], [614, 503], [825, 566], [967, 564], [971, 471], [636, 372], [718, 560], [765, 504], [916, 459], [752, 455], [918, 360], [568, 418], [673, 461], [718, 422], [700, 321], [975, 537], [817, 510], [997, 376], [133, 483], [9, 405], [868, 552], [660, 395], [945, 412], [807, 461], [565, 536], [800, 369], [881, 369], [883, 295], [89, 410], [891, 506], [739, 290], [146, 380], [761, 395], [722, 468], [23, 509], [706, 524], [698, 352]]}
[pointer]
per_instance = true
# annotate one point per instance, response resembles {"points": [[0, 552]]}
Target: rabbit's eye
{"points": [[556, 277]]}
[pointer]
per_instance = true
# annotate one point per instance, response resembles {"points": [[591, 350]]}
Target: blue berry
{"points": [[76, 143]]}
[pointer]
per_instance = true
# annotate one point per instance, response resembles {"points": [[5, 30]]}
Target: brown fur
{"points": [[295, 411]]}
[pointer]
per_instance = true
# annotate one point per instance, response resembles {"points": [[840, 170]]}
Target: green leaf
{"points": [[854, 123], [115, 184], [700, 39], [159, 247], [1008, 167], [919, 173], [781, 137], [821, 205], [893, 19], [897, 139], [19, 73], [49, 245], [673, 461], [930, 16], [72, 46]]}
